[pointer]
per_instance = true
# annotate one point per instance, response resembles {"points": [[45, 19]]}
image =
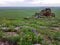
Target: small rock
{"points": [[4, 28], [37, 44], [11, 33], [17, 28], [55, 28], [43, 27]]}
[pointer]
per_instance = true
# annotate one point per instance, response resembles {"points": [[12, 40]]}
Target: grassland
{"points": [[44, 31], [23, 12]]}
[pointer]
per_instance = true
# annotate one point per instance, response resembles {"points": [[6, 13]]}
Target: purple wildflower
{"points": [[34, 30], [36, 33]]}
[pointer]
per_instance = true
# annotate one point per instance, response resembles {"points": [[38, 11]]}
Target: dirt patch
{"points": [[4, 41], [11, 33]]}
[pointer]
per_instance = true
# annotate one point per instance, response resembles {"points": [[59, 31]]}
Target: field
{"points": [[20, 31]]}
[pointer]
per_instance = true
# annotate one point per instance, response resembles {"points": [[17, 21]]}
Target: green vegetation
{"points": [[44, 31]]}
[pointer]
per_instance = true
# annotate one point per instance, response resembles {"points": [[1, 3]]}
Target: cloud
{"points": [[29, 2]]}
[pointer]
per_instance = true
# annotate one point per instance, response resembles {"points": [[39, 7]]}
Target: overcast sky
{"points": [[29, 3]]}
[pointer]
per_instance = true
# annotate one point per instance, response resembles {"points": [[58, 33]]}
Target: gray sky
{"points": [[29, 3]]}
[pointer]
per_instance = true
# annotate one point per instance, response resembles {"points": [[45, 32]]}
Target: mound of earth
{"points": [[44, 13]]}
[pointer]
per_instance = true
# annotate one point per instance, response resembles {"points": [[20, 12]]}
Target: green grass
{"points": [[18, 13], [43, 32], [21, 13]]}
